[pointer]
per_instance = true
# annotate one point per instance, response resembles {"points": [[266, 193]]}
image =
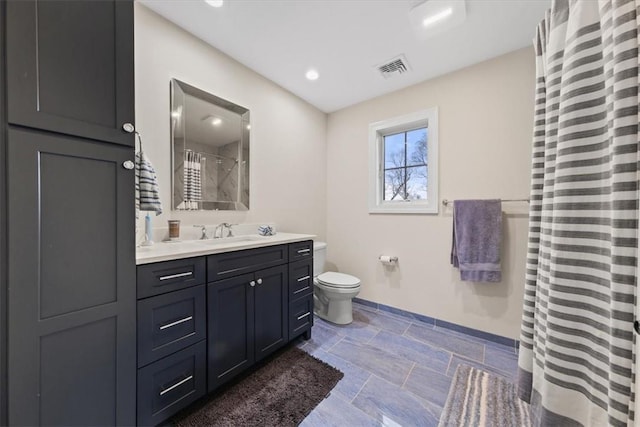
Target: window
{"points": [[403, 164]]}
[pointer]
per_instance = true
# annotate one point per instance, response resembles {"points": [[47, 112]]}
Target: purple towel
{"points": [[477, 232]]}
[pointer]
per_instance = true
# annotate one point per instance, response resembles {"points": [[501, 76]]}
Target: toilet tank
{"points": [[319, 257]]}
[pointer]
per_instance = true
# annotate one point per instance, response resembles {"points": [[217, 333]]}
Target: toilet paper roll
{"points": [[388, 260]]}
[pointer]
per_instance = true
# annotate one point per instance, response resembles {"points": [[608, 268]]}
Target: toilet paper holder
{"points": [[388, 260]]}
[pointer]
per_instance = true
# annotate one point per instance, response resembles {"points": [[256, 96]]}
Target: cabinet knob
{"points": [[128, 127], [252, 283], [128, 164], [259, 281]]}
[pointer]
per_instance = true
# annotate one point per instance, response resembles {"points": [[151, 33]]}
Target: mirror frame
{"points": [[244, 171]]}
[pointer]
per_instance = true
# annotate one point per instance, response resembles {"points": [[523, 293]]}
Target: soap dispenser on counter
{"points": [[148, 232]]}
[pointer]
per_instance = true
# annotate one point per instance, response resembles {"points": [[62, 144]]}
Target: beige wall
{"points": [[288, 136], [310, 175], [485, 118]]}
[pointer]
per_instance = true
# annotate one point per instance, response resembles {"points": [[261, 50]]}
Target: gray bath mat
{"points": [[281, 392]]}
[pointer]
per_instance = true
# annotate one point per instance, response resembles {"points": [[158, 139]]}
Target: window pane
{"points": [[417, 147], [394, 188], [417, 183], [394, 150]]}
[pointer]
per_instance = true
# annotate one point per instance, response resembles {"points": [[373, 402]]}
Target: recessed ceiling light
{"points": [[248, 127], [214, 3], [216, 121], [312, 75], [430, 20], [434, 17]]}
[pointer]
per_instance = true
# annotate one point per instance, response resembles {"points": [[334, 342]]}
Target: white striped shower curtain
{"points": [[192, 180], [576, 363]]}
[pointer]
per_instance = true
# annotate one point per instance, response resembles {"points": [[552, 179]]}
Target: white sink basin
{"points": [[226, 240]]}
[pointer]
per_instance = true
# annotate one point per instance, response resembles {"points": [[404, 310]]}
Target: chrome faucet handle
{"points": [[204, 231], [229, 228]]}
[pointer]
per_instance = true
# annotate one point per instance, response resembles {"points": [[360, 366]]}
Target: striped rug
{"points": [[479, 398]]}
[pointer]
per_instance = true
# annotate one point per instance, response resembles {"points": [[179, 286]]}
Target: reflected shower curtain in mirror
{"points": [[192, 180], [576, 363]]}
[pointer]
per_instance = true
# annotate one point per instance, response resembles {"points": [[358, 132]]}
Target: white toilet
{"points": [[333, 291]]}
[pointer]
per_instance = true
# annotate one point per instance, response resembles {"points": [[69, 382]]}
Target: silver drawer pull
{"points": [[302, 279], [301, 290], [177, 322], [178, 384], [175, 276], [303, 251], [304, 315]]}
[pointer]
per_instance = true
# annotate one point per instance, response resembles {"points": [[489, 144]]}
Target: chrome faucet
{"points": [[204, 231], [222, 227]]}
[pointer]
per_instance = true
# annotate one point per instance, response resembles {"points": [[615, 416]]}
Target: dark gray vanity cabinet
{"points": [[270, 311], [255, 301], [301, 288], [230, 328], [301, 297], [70, 282], [70, 67], [172, 332], [247, 320]]}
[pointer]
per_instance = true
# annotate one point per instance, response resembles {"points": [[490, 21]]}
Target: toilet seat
{"points": [[335, 280]]}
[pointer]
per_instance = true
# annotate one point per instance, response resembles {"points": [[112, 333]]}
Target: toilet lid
{"points": [[338, 280]]}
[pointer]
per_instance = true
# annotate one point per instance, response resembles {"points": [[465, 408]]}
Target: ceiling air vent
{"points": [[393, 67]]}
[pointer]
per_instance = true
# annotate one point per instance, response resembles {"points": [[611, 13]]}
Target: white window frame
{"points": [[377, 131]]}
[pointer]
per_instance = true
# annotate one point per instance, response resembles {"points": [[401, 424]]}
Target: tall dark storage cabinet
{"points": [[68, 149]]}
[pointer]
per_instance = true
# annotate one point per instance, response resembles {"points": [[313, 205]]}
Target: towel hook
{"points": [[138, 140]]}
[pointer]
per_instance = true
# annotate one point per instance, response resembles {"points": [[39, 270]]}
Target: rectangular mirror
{"points": [[210, 151]]}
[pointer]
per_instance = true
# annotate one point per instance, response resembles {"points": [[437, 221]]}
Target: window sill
{"points": [[415, 209]]}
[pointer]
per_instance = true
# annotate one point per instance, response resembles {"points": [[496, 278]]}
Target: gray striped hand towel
{"points": [[147, 190]]}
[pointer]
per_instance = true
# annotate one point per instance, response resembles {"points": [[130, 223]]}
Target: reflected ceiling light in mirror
{"points": [[437, 16], [177, 113], [248, 127], [312, 75], [214, 120], [214, 3]]}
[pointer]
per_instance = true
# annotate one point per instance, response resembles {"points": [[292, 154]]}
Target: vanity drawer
{"points": [[300, 316], [300, 250], [300, 279], [229, 264], [171, 384], [170, 322], [167, 276]]}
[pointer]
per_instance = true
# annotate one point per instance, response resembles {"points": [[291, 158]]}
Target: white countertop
{"points": [[166, 251]]}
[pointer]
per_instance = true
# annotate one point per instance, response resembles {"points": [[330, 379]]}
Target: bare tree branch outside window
{"points": [[405, 166]]}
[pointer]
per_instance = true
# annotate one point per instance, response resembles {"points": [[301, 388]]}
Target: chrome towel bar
{"points": [[446, 202]]}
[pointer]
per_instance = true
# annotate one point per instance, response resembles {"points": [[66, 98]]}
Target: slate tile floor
{"points": [[397, 370]]}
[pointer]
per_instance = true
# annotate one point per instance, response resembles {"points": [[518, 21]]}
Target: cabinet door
{"points": [[270, 310], [3, 227], [230, 328], [70, 67], [71, 282]]}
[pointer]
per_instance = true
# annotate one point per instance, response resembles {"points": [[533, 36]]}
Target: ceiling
{"points": [[344, 40]]}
